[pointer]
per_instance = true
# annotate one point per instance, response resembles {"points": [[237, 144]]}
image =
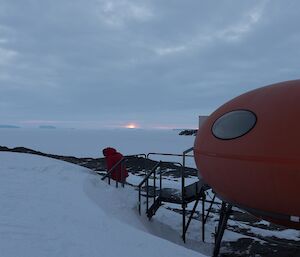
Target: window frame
{"points": [[241, 135]]}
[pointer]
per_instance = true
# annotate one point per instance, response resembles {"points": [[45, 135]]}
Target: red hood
{"points": [[109, 151]]}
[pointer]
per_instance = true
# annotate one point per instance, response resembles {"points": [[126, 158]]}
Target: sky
{"points": [[151, 64]]}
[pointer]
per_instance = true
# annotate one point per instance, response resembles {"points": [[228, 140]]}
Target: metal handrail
{"points": [[120, 162], [139, 155], [136, 155], [149, 174], [112, 169], [171, 154], [183, 204], [145, 180], [153, 169]]}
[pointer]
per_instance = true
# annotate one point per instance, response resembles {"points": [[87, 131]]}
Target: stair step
{"points": [[153, 208]]}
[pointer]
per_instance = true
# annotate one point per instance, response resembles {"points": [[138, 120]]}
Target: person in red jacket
{"points": [[112, 157]]}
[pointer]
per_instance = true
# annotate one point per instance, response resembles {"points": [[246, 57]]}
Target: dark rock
{"points": [[188, 132]]}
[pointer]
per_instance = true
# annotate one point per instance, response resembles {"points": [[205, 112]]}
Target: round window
{"points": [[234, 124]]}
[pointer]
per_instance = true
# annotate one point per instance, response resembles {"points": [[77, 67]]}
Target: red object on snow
{"points": [[248, 151], [112, 158]]}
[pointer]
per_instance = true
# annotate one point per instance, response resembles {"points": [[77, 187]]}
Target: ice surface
{"points": [[89, 143], [51, 208]]}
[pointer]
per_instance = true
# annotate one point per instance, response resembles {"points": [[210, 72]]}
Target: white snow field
{"points": [[89, 143], [52, 208]]}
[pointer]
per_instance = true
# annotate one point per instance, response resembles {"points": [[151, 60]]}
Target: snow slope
{"points": [[51, 208]]}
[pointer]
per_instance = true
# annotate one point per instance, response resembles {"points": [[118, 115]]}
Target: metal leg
{"points": [[140, 200], [222, 211], [154, 186], [193, 211], [191, 216], [209, 208], [122, 175], [183, 204], [147, 196], [224, 215], [203, 217], [183, 222]]}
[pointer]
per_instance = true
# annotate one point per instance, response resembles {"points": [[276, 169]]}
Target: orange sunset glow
{"points": [[131, 126]]}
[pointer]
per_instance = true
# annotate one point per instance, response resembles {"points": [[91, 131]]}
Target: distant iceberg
{"points": [[47, 127], [9, 126]]}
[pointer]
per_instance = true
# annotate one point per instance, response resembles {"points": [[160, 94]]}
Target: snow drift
{"points": [[52, 208]]}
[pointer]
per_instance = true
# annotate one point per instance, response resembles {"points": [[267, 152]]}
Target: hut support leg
{"points": [[224, 215]]}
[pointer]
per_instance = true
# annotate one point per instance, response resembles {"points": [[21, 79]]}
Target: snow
{"points": [[289, 234], [52, 208], [89, 143], [167, 181]]}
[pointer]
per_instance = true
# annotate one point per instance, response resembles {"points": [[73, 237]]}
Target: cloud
{"points": [[6, 56], [100, 62], [237, 31], [117, 13], [170, 50]]}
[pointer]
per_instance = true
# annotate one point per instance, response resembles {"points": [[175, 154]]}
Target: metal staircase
{"points": [[159, 195]]}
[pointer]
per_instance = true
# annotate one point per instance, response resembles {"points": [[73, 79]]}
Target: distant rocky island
{"points": [[9, 126], [188, 132], [47, 127]]}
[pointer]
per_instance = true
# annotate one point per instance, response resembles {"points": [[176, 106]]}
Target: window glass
{"points": [[234, 124]]}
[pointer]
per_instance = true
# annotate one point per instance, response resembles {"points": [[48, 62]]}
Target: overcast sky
{"points": [[106, 63]]}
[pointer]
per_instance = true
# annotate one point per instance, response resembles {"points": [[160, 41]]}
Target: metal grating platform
{"points": [[192, 191]]}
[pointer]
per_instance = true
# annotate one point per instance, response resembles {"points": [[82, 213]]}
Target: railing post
{"points": [[147, 195], [160, 180], [154, 184], [146, 181], [145, 165], [183, 205], [203, 216], [140, 200], [183, 196], [112, 169], [122, 175]]}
